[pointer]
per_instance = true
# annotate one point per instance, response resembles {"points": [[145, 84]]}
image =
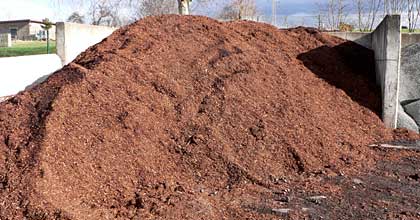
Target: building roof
{"points": [[22, 21]]}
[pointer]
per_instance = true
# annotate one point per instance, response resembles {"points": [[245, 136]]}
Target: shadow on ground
{"points": [[349, 67]]}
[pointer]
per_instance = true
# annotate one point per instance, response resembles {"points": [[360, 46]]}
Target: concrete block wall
{"points": [[72, 38], [5, 40]]}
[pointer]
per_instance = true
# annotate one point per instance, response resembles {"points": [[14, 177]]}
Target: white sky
{"points": [[25, 9], [39, 9]]}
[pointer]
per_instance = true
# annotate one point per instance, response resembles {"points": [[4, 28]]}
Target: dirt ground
{"points": [[389, 191]]}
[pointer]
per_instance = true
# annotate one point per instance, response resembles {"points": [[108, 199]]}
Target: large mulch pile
{"points": [[188, 118]]}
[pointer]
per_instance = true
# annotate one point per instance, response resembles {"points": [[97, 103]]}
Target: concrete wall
{"points": [[5, 40], [409, 38], [21, 27], [19, 72], [386, 43], [26, 29], [364, 39], [72, 38]]}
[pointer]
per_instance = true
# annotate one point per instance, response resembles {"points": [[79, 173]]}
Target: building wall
{"points": [[22, 29], [25, 30]]}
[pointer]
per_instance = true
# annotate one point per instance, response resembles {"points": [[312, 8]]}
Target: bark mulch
{"points": [[178, 117]]}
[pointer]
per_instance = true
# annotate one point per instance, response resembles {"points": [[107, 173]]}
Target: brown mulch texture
{"points": [[188, 118]]}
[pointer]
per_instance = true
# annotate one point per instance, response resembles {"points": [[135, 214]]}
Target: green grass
{"points": [[24, 48], [406, 31]]}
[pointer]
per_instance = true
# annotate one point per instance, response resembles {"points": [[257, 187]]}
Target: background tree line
{"points": [[121, 12], [361, 15], [364, 15]]}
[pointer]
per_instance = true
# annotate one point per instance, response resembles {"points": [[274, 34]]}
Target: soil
{"points": [[184, 117]]}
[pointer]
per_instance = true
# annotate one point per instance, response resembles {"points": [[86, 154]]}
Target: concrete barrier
{"points": [[72, 38], [386, 43], [365, 38], [20, 72], [409, 39], [5, 40], [361, 38]]}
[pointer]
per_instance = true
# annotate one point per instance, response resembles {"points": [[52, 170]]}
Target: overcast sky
{"points": [[38, 9]]}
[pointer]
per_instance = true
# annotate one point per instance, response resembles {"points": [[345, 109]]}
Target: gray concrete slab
{"points": [[410, 73], [413, 109], [386, 43], [73, 39], [361, 38], [409, 39], [406, 121]]}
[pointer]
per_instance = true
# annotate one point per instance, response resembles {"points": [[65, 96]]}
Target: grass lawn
{"points": [[23, 48], [406, 31]]}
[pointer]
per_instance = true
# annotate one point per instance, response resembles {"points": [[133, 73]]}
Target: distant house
{"points": [[25, 30]]}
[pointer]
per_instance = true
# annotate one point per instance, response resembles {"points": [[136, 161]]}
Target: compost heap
{"points": [[186, 118]]}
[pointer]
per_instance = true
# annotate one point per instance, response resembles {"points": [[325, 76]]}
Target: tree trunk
{"points": [[184, 7]]}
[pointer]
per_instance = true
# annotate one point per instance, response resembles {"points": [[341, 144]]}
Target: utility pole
{"points": [[274, 12]]}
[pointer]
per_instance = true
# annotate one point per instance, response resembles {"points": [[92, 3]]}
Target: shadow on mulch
{"points": [[350, 67]]}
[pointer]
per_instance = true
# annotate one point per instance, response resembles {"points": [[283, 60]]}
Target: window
{"points": [[13, 32]]}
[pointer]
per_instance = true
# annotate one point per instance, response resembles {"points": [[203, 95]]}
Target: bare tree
{"points": [[413, 12], [76, 17], [374, 6], [158, 7], [98, 12], [360, 9], [367, 13], [239, 9], [228, 12], [105, 12], [155, 7], [334, 11], [394, 6]]}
